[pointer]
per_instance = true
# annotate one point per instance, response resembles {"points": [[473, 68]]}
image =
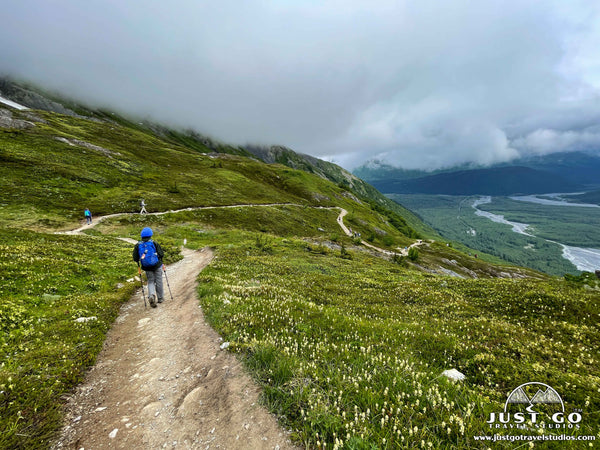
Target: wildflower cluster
{"points": [[351, 352]]}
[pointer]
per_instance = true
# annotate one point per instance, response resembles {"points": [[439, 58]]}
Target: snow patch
{"points": [[12, 104]]}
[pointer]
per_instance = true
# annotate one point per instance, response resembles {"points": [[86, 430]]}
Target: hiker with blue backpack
{"points": [[149, 255]]}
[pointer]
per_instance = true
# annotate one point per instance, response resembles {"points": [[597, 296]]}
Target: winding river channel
{"points": [[585, 259]]}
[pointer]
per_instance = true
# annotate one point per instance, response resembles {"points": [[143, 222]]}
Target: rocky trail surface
{"points": [[163, 381]]}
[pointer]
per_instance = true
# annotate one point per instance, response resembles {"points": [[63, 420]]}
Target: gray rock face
{"points": [[79, 143], [7, 121], [31, 99]]}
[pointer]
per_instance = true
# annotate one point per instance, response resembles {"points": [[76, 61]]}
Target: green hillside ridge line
{"points": [[38, 97]]}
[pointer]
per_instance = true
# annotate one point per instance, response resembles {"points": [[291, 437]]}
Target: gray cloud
{"points": [[545, 141], [420, 84]]}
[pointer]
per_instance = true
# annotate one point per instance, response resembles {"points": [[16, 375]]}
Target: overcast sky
{"points": [[419, 84]]}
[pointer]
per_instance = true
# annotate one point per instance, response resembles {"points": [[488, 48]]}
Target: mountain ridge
{"points": [[557, 172], [510, 180]]}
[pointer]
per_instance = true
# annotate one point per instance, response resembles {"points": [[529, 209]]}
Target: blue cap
{"points": [[146, 232]]}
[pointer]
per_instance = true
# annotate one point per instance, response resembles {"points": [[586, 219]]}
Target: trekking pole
{"points": [[142, 283], [166, 278]]}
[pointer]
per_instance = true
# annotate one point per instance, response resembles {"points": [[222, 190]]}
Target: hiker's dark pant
{"points": [[155, 284]]}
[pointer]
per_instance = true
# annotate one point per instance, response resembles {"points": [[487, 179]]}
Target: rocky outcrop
{"points": [[8, 121], [78, 143], [32, 99]]}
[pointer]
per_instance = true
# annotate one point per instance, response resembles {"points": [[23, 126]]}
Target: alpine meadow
{"points": [[347, 335]]}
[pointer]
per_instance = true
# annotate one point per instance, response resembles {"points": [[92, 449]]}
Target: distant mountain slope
{"points": [[559, 172], [376, 170], [576, 167], [32, 98], [496, 181], [35, 97], [283, 155]]}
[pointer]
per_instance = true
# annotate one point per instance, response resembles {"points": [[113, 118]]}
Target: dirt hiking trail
{"points": [[162, 381]]}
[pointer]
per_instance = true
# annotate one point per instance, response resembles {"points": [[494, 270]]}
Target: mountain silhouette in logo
{"points": [[519, 396], [547, 396]]}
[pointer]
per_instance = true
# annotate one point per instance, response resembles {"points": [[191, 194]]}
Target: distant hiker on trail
{"points": [[88, 216], [150, 255], [143, 204]]}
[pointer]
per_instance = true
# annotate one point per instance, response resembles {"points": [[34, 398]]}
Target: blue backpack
{"points": [[148, 255]]}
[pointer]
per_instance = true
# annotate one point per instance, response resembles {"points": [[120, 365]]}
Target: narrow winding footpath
{"points": [[340, 221]]}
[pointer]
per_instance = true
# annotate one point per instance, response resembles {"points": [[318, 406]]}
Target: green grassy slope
{"points": [[358, 362], [344, 179], [40, 171], [413, 323]]}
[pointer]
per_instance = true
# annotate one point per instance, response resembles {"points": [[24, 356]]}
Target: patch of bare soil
{"points": [[162, 381]]}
